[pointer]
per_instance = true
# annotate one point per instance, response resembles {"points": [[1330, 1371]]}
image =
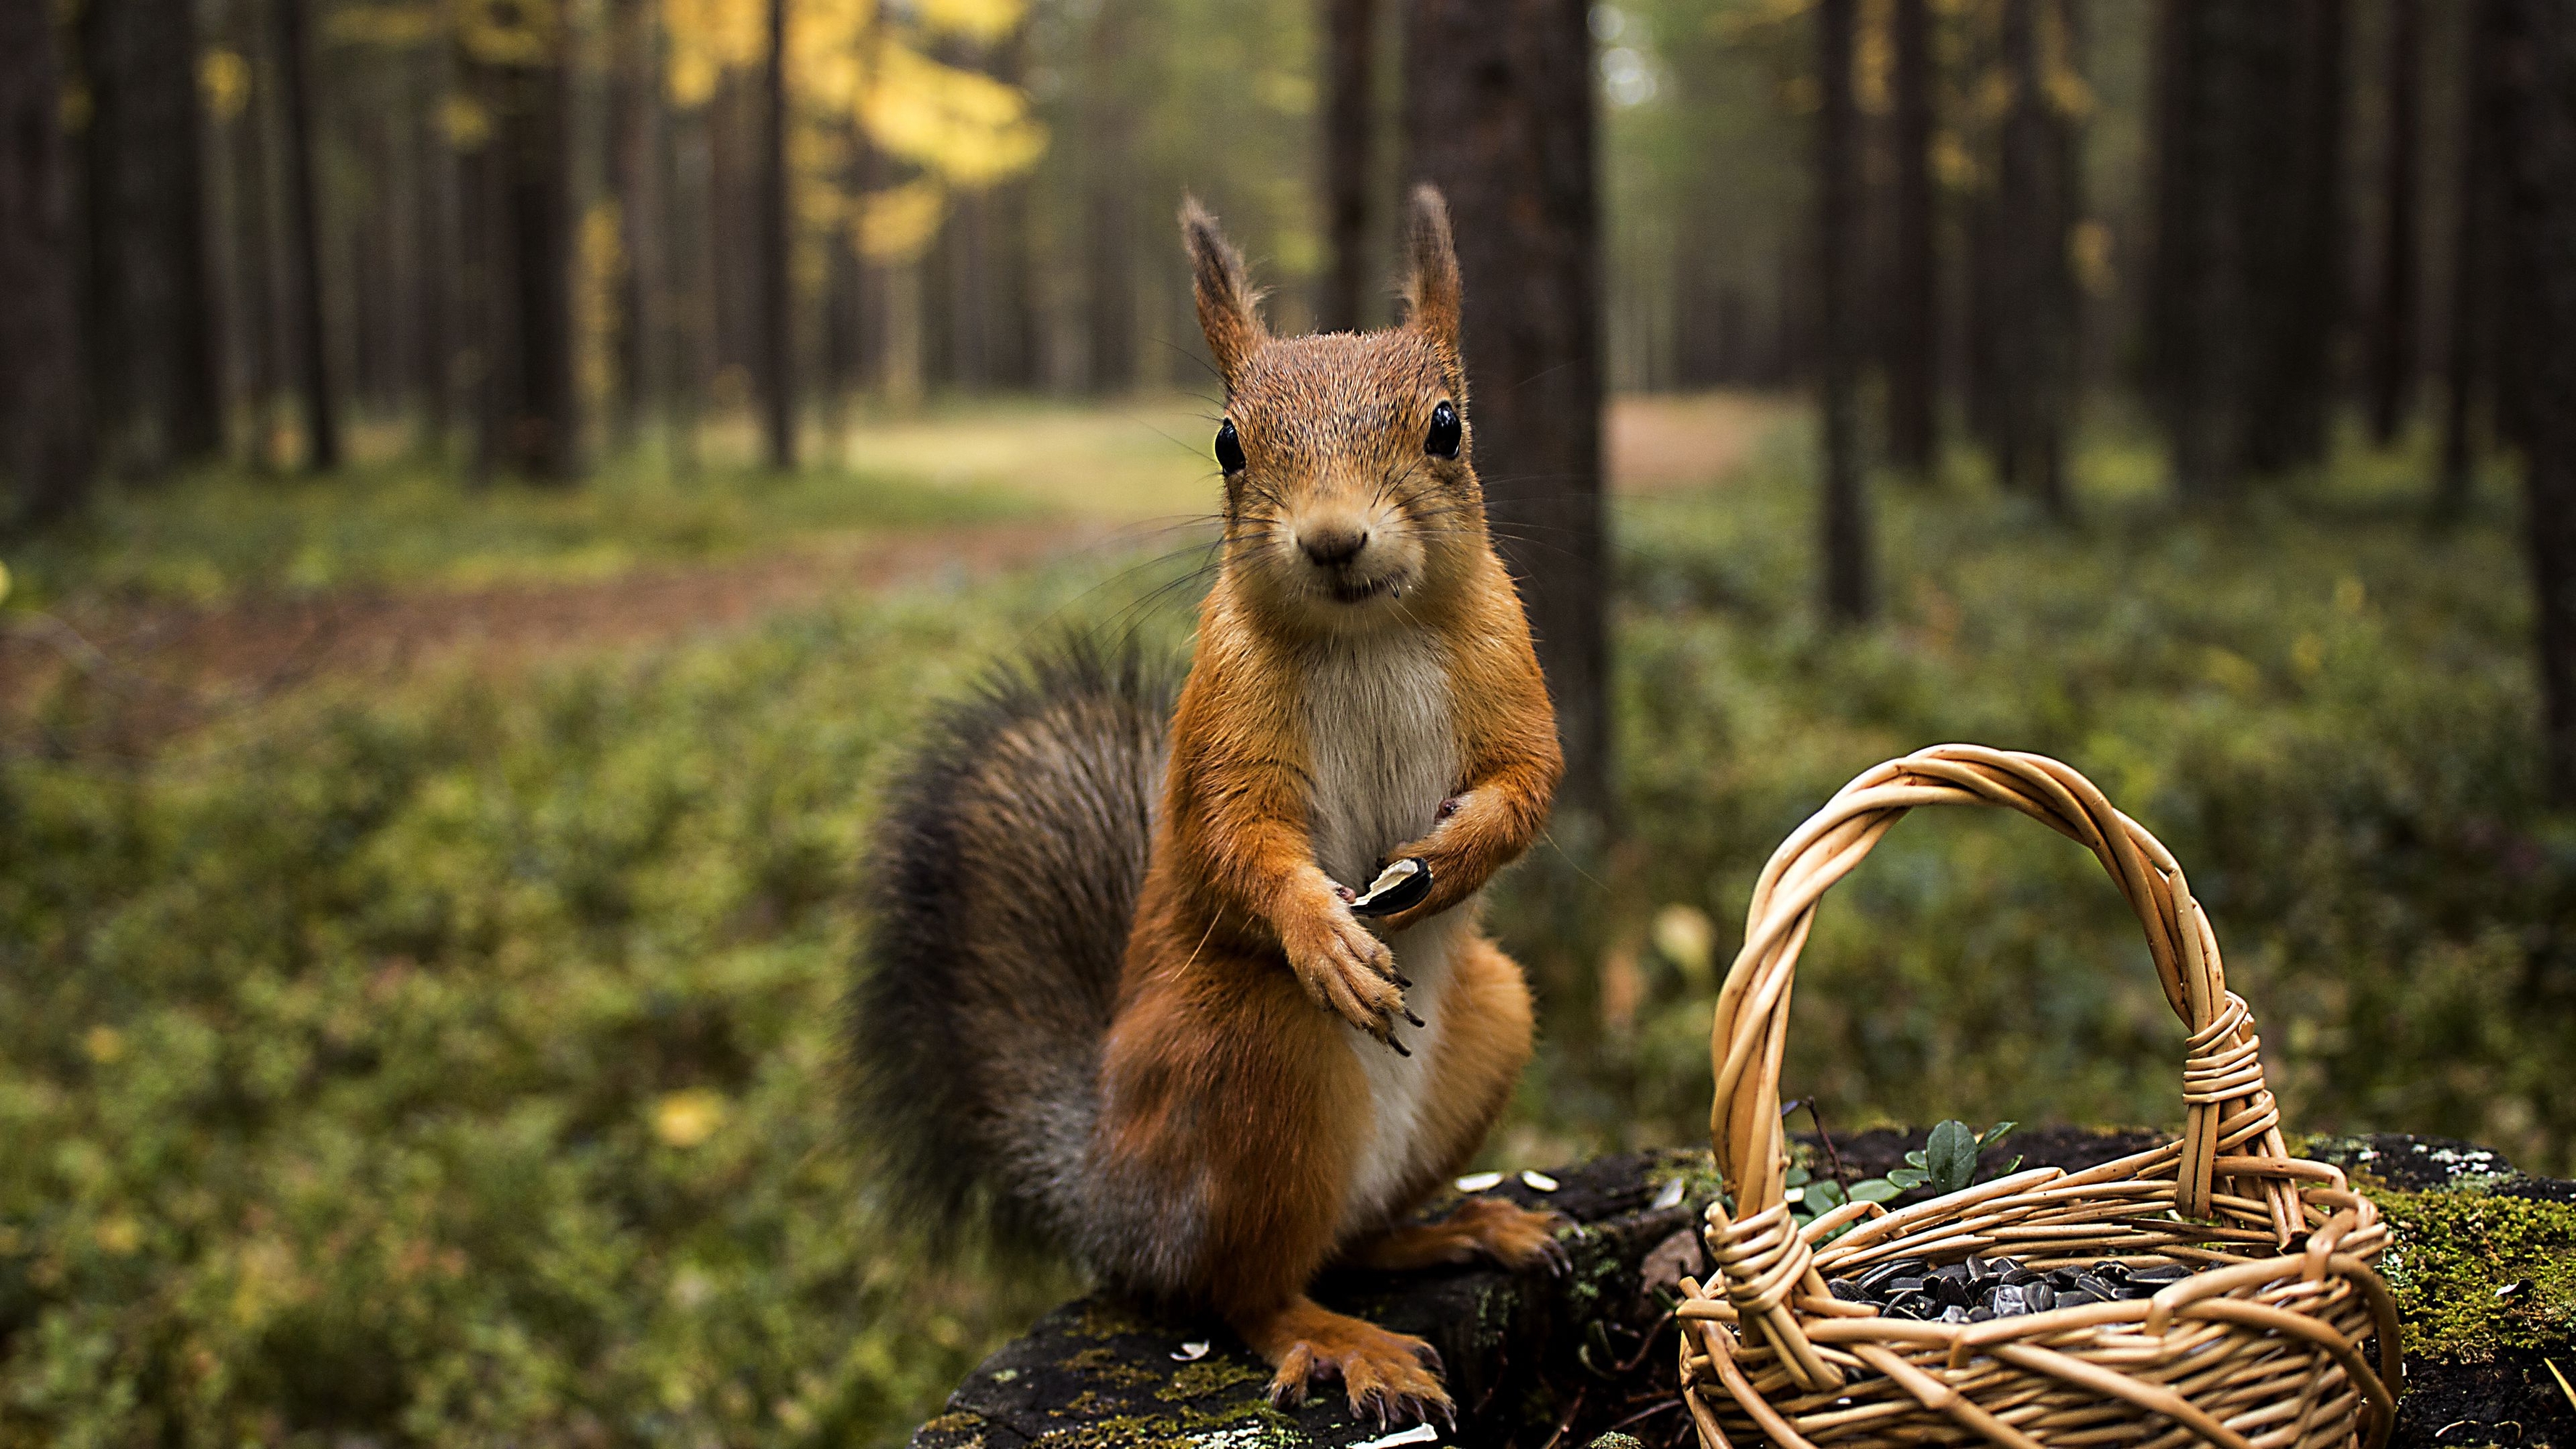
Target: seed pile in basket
{"points": [[1982, 1289]]}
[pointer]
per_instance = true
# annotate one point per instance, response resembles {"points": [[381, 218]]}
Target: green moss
{"points": [[1208, 1376], [2475, 1273], [1104, 1363], [1104, 1319], [1696, 1171]]}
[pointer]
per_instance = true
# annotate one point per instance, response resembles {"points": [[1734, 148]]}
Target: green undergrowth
{"points": [[2325, 708], [456, 1065], [2475, 1272], [227, 531]]}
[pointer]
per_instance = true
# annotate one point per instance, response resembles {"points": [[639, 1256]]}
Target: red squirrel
{"points": [[1119, 996]]}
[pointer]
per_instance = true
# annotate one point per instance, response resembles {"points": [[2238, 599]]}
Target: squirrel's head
{"points": [[1350, 501]]}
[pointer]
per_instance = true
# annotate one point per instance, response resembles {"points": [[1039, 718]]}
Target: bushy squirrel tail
{"points": [[1002, 880]]}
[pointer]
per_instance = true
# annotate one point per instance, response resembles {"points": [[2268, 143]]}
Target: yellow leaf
{"points": [[984, 20], [120, 1235], [104, 1044], [224, 77], [685, 1119], [1688, 938], [464, 122], [508, 32], [897, 225]]}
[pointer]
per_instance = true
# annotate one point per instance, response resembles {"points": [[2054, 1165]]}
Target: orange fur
{"points": [[1231, 1078]]}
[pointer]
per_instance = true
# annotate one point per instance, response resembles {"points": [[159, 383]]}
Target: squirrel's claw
{"points": [[1555, 1258]]}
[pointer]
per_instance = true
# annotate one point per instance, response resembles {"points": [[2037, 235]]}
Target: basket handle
{"points": [[2227, 1108]]}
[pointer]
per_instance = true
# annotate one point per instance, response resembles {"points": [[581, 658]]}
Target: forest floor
{"points": [[177, 629]]}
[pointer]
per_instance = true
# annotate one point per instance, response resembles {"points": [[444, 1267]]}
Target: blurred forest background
{"points": [[487, 487]]}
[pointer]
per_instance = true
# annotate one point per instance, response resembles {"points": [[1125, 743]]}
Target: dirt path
{"points": [[143, 672]]}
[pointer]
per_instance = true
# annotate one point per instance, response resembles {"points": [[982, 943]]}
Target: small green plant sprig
{"points": [[1945, 1163]]}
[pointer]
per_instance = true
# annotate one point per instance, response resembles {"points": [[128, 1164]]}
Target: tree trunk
{"points": [[777, 338], [303, 242], [2183, 234], [1847, 584], [44, 422], [434, 299], [530, 412], [151, 325], [1350, 163], [635, 134], [2304, 264], [2249, 268], [2473, 249], [2034, 296], [1109, 251], [251, 307], [2393, 319], [2537, 108], [1504, 127], [1913, 337], [1014, 305]]}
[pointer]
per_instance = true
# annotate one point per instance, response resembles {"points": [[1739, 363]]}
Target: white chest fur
{"points": [[1382, 757]]}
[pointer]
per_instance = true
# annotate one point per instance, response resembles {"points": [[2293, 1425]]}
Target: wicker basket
{"points": [[2260, 1348]]}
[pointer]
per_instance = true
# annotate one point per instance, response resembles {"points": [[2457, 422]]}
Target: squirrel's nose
{"points": [[1332, 545]]}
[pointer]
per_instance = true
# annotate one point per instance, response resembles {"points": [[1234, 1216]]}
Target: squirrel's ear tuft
{"points": [[1226, 300], [1431, 286]]}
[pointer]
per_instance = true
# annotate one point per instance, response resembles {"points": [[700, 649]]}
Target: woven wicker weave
{"points": [[2259, 1349]]}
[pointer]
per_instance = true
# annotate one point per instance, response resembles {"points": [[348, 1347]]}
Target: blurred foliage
{"points": [[2327, 714], [457, 1067], [453, 1062], [230, 531]]}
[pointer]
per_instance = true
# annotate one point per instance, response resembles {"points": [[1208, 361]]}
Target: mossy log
{"points": [[2483, 1264]]}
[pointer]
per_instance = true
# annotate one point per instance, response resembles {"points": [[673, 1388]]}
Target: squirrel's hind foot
{"points": [[1481, 1227], [1392, 1379]]}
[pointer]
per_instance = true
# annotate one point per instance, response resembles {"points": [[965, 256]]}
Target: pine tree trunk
{"points": [[2034, 347], [303, 243], [2473, 252], [2537, 108], [1109, 250], [2249, 270], [44, 417], [1848, 588], [530, 417], [777, 323], [251, 305], [2393, 319], [1350, 114], [1913, 306], [433, 298], [1504, 127], [153, 355], [2183, 207], [2305, 263], [1014, 303], [635, 136]]}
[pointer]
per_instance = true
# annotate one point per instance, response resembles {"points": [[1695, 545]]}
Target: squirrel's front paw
{"points": [[1350, 973]]}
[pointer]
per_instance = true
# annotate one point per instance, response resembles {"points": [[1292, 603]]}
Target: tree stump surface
{"points": [[2484, 1262]]}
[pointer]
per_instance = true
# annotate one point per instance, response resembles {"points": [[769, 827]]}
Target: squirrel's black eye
{"points": [[1443, 441], [1229, 448]]}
